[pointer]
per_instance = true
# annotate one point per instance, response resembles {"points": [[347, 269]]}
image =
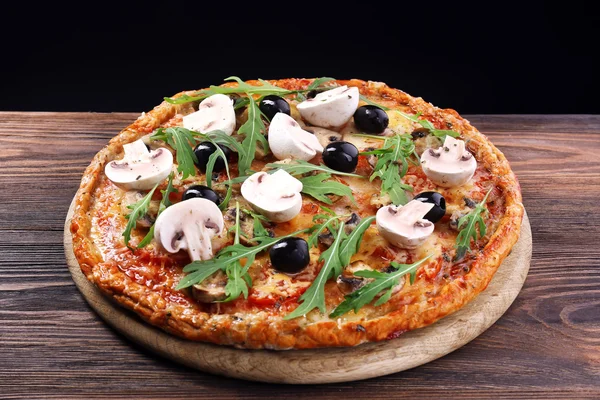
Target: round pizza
{"points": [[295, 213]]}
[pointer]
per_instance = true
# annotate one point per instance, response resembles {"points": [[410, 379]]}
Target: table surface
{"points": [[52, 345]]}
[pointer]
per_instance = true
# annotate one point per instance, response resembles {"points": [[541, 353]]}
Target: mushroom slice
{"points": [[288, 140], [214, 113], [404, 226], [212, 289], [275, 196], [450, 165], [189, 225], [139, 169], [332, 108]]}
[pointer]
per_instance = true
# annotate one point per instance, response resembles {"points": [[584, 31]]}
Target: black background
{"points": [[528, 57]]}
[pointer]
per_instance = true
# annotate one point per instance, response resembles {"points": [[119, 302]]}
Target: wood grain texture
{"points": [[321, 365], [52, 345]]}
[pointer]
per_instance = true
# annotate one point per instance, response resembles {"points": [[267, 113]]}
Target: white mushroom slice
{"points": [[332, 108], [189, 225], [275, 196], [404, 226], [214, 113], [288, 140], [139, 169], [450, 165]]}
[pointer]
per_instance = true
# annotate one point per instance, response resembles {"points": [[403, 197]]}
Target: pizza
{"points": [[295, 214]]}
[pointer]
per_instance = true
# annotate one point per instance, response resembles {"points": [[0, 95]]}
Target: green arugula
{"points": [[441, 133], [382, 281], [253, 130], [319, 186], [258, 228], [329, 220], [299, 167], [335, 258], [314, 297], [470, 222], [313, 85], [139, 209], [200, 270], [164, 203], [238, 279], [182, 140], [264, 90], [392, 165]]}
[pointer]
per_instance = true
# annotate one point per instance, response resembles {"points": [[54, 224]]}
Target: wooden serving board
{"points": [[368, 360]]}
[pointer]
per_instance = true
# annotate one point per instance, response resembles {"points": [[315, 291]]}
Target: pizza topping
{"points": [[381, 282], [332, 108], [348, 282], [450, 165], [201, 192], [212, 289], [273, 104], [404, 226], [139, 169], [276, 196], [439, 205], [323, 135], [215, 113], [371, 119], [468, 227], [204, 150], [290, 255], [189, 225], [341, 156], [288, 140]]}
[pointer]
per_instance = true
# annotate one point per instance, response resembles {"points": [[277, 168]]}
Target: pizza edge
{"points": [[257, 330]]}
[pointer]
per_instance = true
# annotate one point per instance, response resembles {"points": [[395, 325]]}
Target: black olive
{"points": [[341, 156], [203, 192], [419, 133], [439, 205], [311, 94], [290, 255], [271, 105], [371, 119], [203, 152]]}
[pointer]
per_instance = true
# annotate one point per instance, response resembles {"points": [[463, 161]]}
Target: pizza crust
{"points": [[262, 329]]}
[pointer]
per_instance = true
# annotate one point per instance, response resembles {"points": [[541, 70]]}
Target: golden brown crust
{"points": [[263, 330]]}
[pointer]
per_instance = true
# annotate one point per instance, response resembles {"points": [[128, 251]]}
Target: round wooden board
{"points": [[368, 360]]}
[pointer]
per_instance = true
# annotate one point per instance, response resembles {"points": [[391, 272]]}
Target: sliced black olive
{"points": [[371, 119], [439, 205], [311, 94], [203, 152], [271, 105], [341, 156], [290, 255], [203, 192], [419, 133]]}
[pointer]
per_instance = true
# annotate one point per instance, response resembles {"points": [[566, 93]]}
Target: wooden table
{"points": [[52, 345]]}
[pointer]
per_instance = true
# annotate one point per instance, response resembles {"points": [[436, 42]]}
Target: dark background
{"points": [[528, 57]]}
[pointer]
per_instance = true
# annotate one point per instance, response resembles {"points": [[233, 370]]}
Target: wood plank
{"points": [[546, 346]]}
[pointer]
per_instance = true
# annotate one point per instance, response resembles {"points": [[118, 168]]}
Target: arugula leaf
{"points": [[441, 133], [363, 296], [470, 222], [394, 154], [318, 186], [351, 244], [200, 270], [253, 131], [139, 209], [258, 230], [330, 221], [299, 167], [314, 297], [238, 279], [318, 82], [164, 203], [182, 140]]}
